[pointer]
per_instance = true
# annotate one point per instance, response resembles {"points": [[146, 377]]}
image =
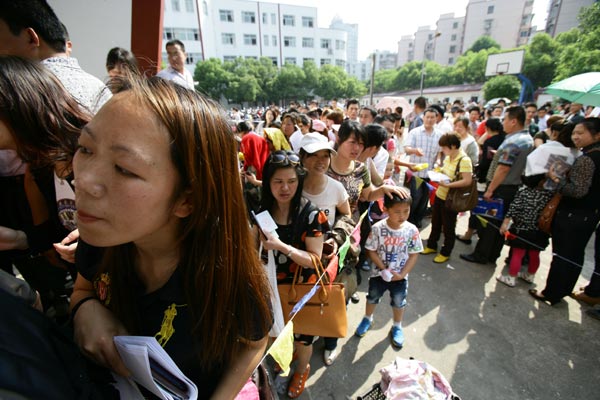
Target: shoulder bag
{"points": [[324, 314], [547, 214], [462, 198]]}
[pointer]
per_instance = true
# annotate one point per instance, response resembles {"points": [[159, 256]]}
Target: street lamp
{"points": [[430, 41]]}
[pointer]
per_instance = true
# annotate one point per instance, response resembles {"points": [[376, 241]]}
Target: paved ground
{"points": [[490, 341]]}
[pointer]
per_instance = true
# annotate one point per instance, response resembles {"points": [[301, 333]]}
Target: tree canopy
{"points": [[484, 42]]}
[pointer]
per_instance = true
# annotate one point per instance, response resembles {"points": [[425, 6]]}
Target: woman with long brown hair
{"points": [[159, 197]]}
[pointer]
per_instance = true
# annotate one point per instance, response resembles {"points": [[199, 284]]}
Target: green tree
{"points": [[539, 64], [265, 73], [311, 74], [289, 83], [502, 86], [580, 52], [212, 77], [332, 82], [470, 67], [384, 80], [408, 77], [354, 87], [484, 42]]}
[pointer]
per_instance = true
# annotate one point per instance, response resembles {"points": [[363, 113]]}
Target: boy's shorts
{"points": [[397, 289]]}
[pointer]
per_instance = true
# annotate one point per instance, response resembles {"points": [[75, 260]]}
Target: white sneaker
{"points": [[507, 280], [329, 356], [527, 277]]}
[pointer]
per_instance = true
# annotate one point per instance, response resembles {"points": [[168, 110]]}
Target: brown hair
{"points": [[336, 116], [45, 120], [224, 282]]}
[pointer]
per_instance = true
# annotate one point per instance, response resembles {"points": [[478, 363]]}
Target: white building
{"points": [[405, 49], [424, 44], [228, 29], [361, 70], [448, 44], [352, 39], [508, 22], [562, 15]]}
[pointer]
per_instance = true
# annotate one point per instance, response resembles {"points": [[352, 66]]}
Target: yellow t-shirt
{"points": [[449, 169]]}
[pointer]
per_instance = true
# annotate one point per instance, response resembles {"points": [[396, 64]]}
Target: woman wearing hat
{"points": [[326, 193]]}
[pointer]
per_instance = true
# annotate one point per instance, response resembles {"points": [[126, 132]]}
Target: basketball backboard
{"points": [[509, 63]]}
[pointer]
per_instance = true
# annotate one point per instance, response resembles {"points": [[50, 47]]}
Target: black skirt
{"points": [[529, 239]]}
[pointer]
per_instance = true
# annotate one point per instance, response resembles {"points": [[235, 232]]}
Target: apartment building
{"points": [[227, 29], [508, 22], [562, 15], [449, 42]]}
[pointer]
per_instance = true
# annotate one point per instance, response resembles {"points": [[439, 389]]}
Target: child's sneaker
{"points": [[363, 327], [507, 280], [397, 336], [527, 277]]}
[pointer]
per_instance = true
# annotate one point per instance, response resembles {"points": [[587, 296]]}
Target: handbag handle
{"points": [[323, 295], [457, 169]]}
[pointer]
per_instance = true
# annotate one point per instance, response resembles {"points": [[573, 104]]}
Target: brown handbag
{"points": [[324, 314], [547, 214], [462, 198]]}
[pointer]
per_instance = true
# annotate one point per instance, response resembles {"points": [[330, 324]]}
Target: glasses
{"points": [[283, 157]]}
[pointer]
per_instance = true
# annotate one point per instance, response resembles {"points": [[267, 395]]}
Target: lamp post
{"points": [[430, 41]]}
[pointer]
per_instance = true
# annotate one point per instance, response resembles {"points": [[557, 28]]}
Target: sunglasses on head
{"points": [[281, 157]]}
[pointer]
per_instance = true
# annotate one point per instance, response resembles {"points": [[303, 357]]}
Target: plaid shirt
{"points": [[428, 142]]}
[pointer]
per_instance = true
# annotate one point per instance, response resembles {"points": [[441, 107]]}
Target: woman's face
{"points": [[582, 137], [7, 141], [351, 148], [460, 128], [125, 179], [317, 163], [284, 184], [288, 127], [269, 117]]}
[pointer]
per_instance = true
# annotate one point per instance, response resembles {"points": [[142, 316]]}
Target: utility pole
{"points": [[372, 77]]}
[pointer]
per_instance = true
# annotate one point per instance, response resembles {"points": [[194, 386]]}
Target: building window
{"points": [[189, 6], [266, 40], [430, 36], [288, 20], [451, 60], [274, 59], [168, 33], [308, 59], [175, 5], [524, 34], [340, 45], [205, 7], [273, 19], [290, 60], [251, 58], [487, 25], [226, 15], [308, 22], [289, 41], [453, 38], [490, 9], [308, 42], [452, 49], [250, 40], [228, 38], [325, 61], [265, 18], [248, 17], [340, 63], [455, 25], [525, 20], [228, 58], [193, 58], [325, 43], [274, 40]]}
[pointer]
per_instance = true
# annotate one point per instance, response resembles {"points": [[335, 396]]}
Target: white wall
{"points": [[95, 26]]}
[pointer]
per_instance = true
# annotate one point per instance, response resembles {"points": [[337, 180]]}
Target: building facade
{"points": [[227, 29], [449, 42], [562, 15]]}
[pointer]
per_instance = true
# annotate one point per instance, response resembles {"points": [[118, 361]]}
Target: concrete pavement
{"points": [[490, 341]]}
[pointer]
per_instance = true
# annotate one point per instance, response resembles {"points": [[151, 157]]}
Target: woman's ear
{"points": [[183, 206]]}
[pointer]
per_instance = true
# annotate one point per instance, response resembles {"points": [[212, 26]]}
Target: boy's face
{"points": [[398, 213]]}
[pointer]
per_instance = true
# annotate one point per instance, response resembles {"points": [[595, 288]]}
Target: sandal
{"points": [[296, 386], [538, 296], [329, 356]]}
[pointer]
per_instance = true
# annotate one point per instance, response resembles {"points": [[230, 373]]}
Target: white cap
{"points": [[313, 142]]}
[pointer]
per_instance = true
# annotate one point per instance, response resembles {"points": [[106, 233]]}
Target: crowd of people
{"points": [[128, 205]]}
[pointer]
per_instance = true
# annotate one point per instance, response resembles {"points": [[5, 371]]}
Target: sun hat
{"points": [[318, 125], [313, 142]]}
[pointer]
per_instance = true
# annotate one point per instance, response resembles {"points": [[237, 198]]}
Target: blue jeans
{"points": [[397, 289]]}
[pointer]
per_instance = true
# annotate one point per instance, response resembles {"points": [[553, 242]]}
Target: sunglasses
{"points": [[283, 157]]}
